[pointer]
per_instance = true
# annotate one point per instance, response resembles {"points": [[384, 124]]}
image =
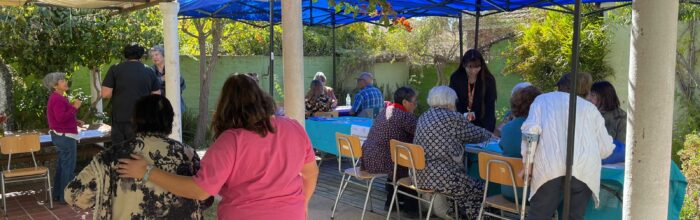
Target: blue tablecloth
{"points": [[322, 134], [322, 131], [612, 180]]}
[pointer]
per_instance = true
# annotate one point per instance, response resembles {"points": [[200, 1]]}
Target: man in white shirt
{"points": [[548, 117]]}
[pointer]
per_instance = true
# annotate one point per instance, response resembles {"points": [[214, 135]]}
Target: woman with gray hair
{"points": [[63, 127], [443, 133], [157, 54], [329, 91]]}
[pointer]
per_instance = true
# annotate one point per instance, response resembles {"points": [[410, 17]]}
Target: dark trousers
{"points": [[121, 131], [65, 167], [407, 204], [550, 196]]}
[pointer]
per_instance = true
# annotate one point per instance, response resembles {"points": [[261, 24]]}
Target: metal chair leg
{"points": [[340, 193], [48, 189], [430, 206], [367, 197], [420, 207], [398, 208], [4, 197], [371, 205], [391, 204]]}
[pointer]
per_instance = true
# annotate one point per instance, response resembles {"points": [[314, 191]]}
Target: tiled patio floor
{"points": [[24, 203], [31, 206]]}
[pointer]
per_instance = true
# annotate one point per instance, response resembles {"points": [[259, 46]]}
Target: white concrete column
{"points": [[650, 115], [293, 59], [172, 63]]}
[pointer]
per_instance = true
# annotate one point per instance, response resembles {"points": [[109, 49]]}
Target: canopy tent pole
{"points": [[333, 55], [572, 108], [271, 68], [461, 37], [293, 60], [476, 27], [652, 67], [311, 13], [172, 63]]}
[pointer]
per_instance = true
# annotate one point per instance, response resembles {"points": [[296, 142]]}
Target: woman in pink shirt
{"points": [[262, 165]]}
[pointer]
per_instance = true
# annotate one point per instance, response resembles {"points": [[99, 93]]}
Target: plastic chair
{"points": [[501, 170], [413, 157], [349, 147], [22, 143]]}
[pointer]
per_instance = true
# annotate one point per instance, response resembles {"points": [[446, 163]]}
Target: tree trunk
{"points": [[6, 102], [439, 70], [206, 70], [95, 94]]}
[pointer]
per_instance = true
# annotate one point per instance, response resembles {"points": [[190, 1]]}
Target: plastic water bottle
{"points": [[348, 101]]}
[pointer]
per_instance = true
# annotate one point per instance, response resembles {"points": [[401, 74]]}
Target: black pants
{"points": [[121, 131], [407, 204], [550, 196]]}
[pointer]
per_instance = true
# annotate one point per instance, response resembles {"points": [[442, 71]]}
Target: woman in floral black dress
{"points": [[443, 133], [317, 100], [98, 186]]}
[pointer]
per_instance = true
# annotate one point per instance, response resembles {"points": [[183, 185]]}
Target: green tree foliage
{"points": [[690, 155], [542, 49], [38, 40]]}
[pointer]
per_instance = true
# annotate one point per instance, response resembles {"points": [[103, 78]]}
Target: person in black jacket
{"points": [[476, 90]]}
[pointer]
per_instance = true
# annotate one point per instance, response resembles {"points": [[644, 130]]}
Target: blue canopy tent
{"points": [[319, 13]]}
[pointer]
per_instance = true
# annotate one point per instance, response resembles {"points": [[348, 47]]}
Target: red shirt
{"points": [[258, 177], [61, 114]]}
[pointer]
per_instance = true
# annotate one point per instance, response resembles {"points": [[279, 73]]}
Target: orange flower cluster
{"points": [[404, 23]]}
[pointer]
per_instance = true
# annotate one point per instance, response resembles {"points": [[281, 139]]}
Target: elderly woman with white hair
{"points": [[443, 133], [329, 91], [509, 114], [63, 127]]}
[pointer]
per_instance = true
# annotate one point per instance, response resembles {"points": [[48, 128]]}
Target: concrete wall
{"points": [[618, 59], [387, 74]]}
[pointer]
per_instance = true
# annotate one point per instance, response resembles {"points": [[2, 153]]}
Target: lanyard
{"points": [[471, 95]]}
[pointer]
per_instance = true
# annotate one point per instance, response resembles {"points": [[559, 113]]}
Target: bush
{"points": [[29, 107], [541, 53], [690, 155]]}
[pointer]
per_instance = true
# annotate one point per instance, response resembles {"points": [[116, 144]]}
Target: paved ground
{"points": [[26, 203]]}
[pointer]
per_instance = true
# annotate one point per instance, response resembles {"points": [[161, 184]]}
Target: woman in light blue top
{"points": [[511, 134]]}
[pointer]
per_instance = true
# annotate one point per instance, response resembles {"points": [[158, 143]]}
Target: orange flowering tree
{"points": [[381, 8]]}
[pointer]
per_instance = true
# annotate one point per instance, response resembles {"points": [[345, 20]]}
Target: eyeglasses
{"points": [[474, 67]]}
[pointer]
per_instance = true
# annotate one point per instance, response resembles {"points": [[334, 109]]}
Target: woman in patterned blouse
{"points": [[397, 121], [98, 186], [317, 100], [443, 133]]}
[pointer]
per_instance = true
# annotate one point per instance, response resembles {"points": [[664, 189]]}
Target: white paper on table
{"points": [[619, 166], [360, 131]]}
